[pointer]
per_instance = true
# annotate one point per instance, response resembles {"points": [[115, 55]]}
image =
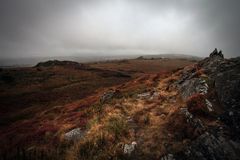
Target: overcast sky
{"points": [[40, 28]]}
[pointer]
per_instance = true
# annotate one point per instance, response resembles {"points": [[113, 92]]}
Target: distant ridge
{"points": [[173, 56], [57, 63], [28, 62]]}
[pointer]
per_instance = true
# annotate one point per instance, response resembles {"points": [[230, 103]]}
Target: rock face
{"points": [[222, 76], [193, 86], [227, 83], [194, 122], [209, 147]]}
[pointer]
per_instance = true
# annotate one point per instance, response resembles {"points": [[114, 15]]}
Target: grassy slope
{"points": [[155, 124], [71, 99], [144, 65]]}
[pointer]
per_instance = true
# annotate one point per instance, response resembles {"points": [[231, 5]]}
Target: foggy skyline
{"points": [[42, 28]]}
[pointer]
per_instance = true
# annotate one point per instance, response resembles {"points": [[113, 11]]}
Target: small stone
{"points": [[108, 95], [117, 105], [209, 105], [74, 134], [144, 95], [129, 148]]}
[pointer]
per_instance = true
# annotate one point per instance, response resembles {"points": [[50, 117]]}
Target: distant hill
{"points": [[57, 63], [172, 56], [27, 62]]}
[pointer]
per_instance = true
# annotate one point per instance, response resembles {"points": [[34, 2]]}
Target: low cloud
{"points": [[31, 28]]}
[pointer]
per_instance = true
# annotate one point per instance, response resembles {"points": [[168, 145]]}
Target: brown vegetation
{"points": [[47, 101]]}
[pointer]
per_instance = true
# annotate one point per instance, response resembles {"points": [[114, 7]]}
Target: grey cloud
{"points": [[60, 27]]}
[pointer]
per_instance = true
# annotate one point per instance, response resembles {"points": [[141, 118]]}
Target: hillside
{"points": [[183, 110]]}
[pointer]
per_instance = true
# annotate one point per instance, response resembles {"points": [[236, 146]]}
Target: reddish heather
{"points": [[196, 104]]}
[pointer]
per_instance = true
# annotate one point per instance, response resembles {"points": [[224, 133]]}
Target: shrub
{"points": [[97, 108], [92, 122], [196, 104], [91, 148]]}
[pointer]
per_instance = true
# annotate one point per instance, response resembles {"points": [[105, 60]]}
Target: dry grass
{"points": [[109, 125], [147, 66]]}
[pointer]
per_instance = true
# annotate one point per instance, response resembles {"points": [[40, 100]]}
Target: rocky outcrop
{"points": [[227, 83], [221, 76], [224, 76], [192, 86], [193, 121], [216, 53], [210, 147]]}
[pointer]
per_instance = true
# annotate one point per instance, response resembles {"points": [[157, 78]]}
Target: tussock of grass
{"points": [[93, 122], [99, 146], [117, 126], [97, 108], [104, 139], [88, 149]]}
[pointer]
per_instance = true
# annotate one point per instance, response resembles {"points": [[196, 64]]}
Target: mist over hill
{"points": [[28, 61]]}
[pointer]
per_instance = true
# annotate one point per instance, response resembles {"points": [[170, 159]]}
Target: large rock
{"points": [[215, 53], [193, 121], [227, 84], [222, 74], [193, 86], [210, 65], [222, 77], [226, 80], [210, 147]]}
